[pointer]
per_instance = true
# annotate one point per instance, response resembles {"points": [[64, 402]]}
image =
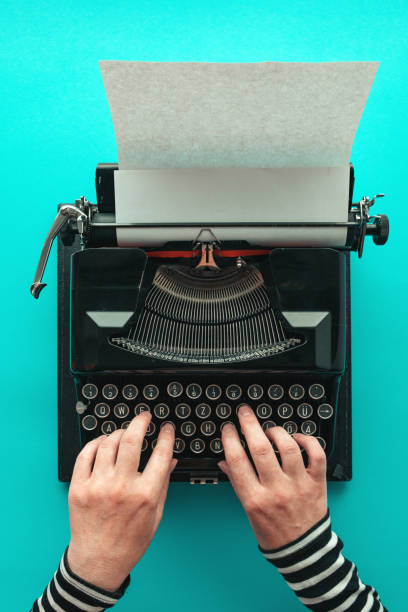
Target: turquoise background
{"points": [[56, 127]]}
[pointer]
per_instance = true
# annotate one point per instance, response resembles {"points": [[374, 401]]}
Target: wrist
{"points": [[95, 570]]}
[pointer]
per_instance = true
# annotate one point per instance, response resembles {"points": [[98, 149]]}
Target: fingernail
{"points": [[244, 410], [228, 427], [168, 427]]}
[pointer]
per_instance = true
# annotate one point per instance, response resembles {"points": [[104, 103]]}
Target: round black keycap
{"points": [[264, 411], [325, 411], [296, 392], [233, 392], [174, 389], [154, 442], [193, 391], [169, 422], [255, 392], [322, 442], [109, 392], [102, 410], [216, 445], [316, 391], [197, 445], [141, 408], [203, 411], [308, 428], [268, 425], [121, 410], [150, 392], [290, 427], [275, 392], [305, 411], [151, 429], [208, 428], [125, 424], [225, 423], [144, 445], [188, 428], [90, 391], [285, 411], [130, 392], [108, 427], [183, 411], [223, 411], [213, 392], [162, 411], [89, 422], [179, 445]]}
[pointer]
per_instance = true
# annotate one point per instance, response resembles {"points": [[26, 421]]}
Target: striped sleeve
{"points": [[69, 593], [320, 576]]}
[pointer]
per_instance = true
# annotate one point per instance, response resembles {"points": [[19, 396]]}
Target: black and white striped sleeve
{"points": [[320, 576], [69, 593]]}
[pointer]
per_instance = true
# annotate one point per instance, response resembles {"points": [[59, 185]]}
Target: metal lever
{"points": [[65, 213], [207, 241]]}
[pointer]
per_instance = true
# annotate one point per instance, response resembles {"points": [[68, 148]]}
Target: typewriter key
{"points": [[90, 391], [305, 411], [121, 410], [108, 427], [285, 411], [322, 442], [89, 422], [193, 391], [109, 392], [144, 445], [150, 392], [174, 389], [197, 445], [275, 392], [125, 424], [141, 408], [233, 392], [183, 411], [162, 411], [316, 391], [154, 442], [290, 427], [102, 410], [203, 411], [264, 411], [225, 423], [188, 428], [208, 428], [296, 392], [325, 411], [130, 392], [255, 392], [213, 392], [179, 445], [151, 429], [216, 445], [268, 425], [223, 411], [308, 428]]}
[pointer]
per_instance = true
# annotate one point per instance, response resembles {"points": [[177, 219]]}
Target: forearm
{"points": [[70, 593], [320, 576]]}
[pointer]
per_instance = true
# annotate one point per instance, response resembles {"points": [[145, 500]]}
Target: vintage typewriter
{"points": [[191, 330]]}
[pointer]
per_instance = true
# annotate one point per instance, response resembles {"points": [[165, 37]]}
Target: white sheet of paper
{"points": [[242, 142]]}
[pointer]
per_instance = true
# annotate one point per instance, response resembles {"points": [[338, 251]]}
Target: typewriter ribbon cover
{"points": [[244, 143]]}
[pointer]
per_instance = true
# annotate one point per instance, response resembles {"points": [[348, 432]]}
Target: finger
{"points": [[316, 455], [290, 454], [85, 460], [259, 446], [163, 494], [241, 472], [107, 451], [128, 459], [158, 467]]}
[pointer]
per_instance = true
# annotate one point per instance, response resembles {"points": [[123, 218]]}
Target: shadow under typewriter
{"points": [[216, 315]]}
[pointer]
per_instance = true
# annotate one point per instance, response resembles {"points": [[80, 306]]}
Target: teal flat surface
{"points": [[56, 127]]}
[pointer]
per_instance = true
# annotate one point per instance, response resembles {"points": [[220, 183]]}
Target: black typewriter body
{"points": [[102, 384]]}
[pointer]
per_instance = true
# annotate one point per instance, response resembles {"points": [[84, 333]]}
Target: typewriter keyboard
{"points": [[200, 408]]}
